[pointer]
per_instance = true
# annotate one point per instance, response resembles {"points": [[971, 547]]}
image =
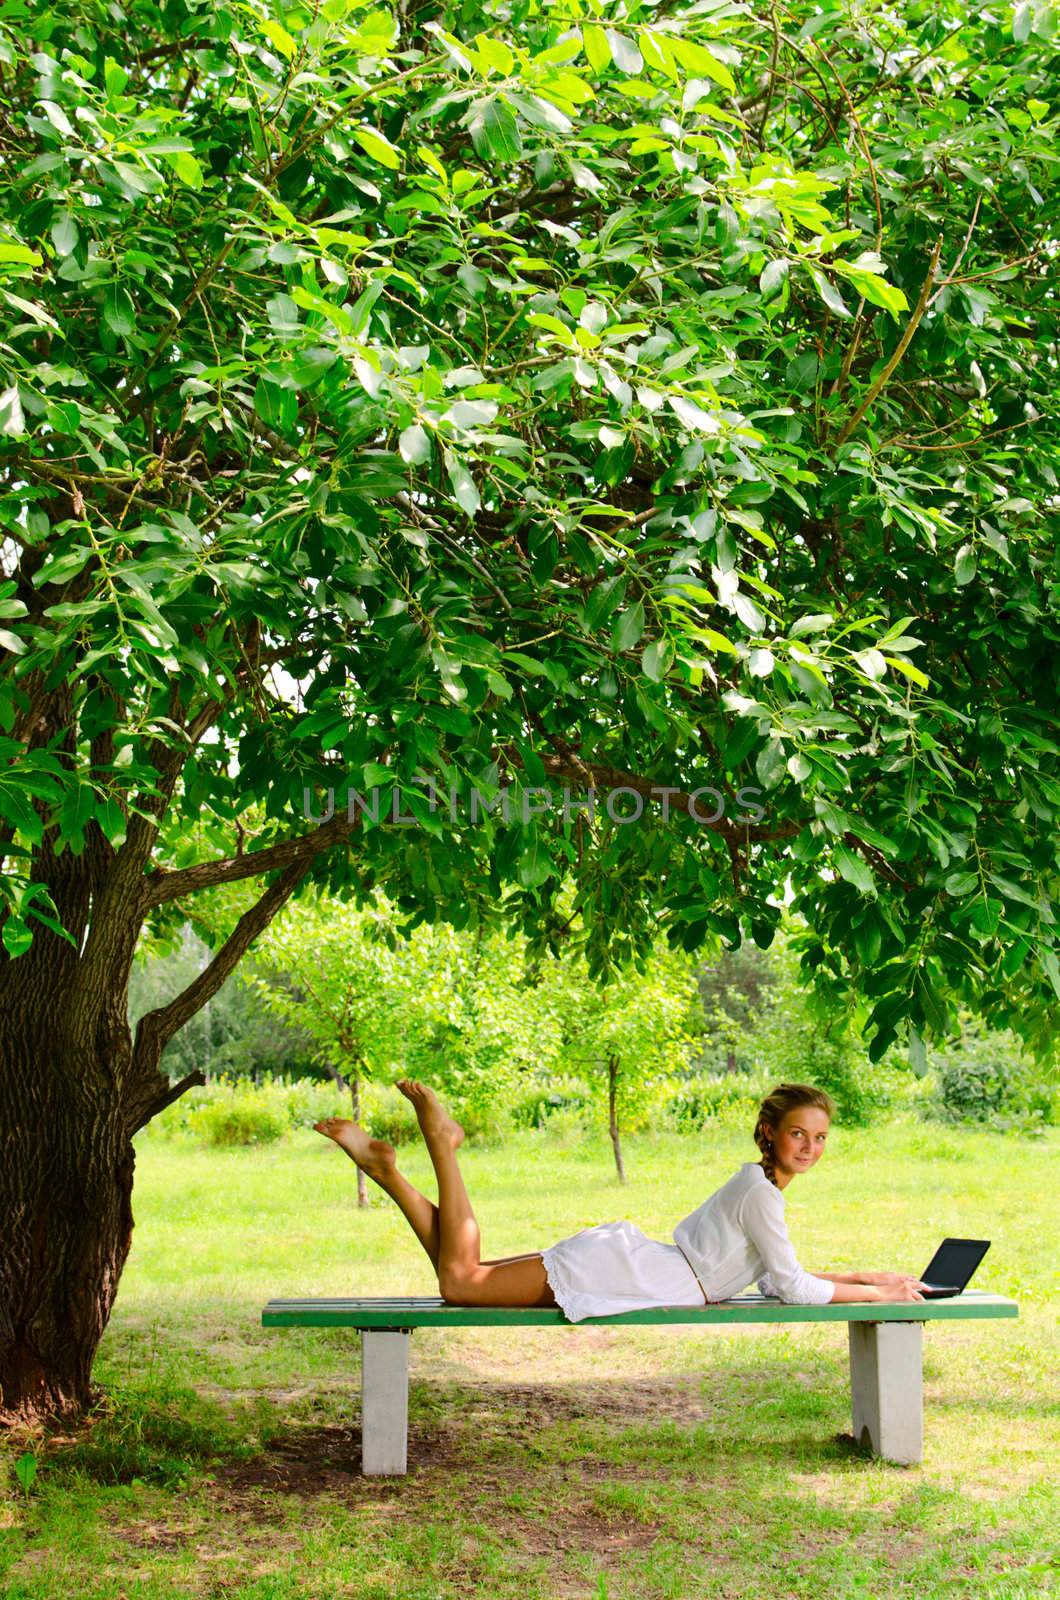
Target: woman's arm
{"points": [[880, 1280], [902, 1288]]}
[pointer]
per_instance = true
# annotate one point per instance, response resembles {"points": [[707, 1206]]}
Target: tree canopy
{"points": [[620, 396]]}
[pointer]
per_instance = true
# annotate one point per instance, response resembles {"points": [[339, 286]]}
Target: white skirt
{"points": [[615, 1267]]}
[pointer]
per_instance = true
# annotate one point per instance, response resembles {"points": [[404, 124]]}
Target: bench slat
{"points": [[429, 1312]]}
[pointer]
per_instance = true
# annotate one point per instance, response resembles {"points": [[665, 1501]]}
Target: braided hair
{"points": [[777, 1103]]}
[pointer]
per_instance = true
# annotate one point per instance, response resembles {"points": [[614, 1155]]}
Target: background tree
{"points": [[648, 401], [447, 1006], [732, 990], [625, 1036], [331, 974]]}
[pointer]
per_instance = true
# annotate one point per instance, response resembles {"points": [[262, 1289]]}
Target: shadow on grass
{"points": [[160, 1433], [503, 1429]]}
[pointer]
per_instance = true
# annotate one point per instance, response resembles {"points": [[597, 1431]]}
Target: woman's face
{"points": [[798, 1143]]}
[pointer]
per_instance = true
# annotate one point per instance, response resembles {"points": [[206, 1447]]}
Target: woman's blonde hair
{"points": [[777, 1103]]}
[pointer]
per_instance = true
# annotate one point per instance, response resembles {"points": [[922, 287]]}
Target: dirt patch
{"points": [[306, 1461], [676, 1398], [159, 1537], [579, 1532], [326, 1458]]}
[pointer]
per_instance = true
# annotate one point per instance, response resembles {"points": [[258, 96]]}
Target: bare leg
{"points": [[379, 1161], [463, 1277], [377, 1158]]}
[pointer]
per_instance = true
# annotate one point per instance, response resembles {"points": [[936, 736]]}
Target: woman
{"points": [[736, 1236]]}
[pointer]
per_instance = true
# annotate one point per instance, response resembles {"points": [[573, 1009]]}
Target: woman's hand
{"points": [[901, 1288], [887, 1280]]}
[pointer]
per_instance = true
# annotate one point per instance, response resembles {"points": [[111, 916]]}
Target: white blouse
{"points": [[739, 1234]]}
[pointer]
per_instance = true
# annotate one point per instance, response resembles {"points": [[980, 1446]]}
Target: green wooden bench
{"points": [[884, 1343]]}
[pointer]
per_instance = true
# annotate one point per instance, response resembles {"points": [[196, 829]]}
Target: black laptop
{"points": [[951, 1267]]}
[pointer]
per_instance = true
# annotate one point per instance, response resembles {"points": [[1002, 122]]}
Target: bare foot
{"points": [[373, 1156], [435, 1123]]}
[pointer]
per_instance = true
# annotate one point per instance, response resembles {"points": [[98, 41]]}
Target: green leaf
{"points": [[749, 614], [12, 251], [495, 54], [772, 277], [26, 1470], [872, 663], [657, 659], [279, 37], [495, 133], [624, 53], [603, 600], [535, 863], [907, 668], [628, 627], [414, 445], [17, 936], [11, 418], [853, 869], [693, 416], [64, 233], [829, 293], [377, 145], [276, 406], [596, 47], [119, 312], [463, 484], [186, 167], [1051, 968], [816, 623], [874, 289], [917, 1053], [697, 58], [965, 565]]}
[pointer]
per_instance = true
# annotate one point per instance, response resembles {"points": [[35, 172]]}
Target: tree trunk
{"points": [[362, 1181], [730, 1059], [74, 1084], [66, 1178], [612, 1109]]}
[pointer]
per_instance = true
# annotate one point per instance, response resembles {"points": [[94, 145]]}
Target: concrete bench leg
{"points": [[886, 1388], [384, 1400]]}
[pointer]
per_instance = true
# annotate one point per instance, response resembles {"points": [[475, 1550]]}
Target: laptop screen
{"points": [[954, 1262]]}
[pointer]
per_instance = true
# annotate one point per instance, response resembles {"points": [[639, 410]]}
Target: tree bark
{"points": [[66, 1175], [74, 1089], [612, 1110]]}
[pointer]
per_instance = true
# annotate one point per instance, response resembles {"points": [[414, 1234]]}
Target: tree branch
{"points": [[156, 1028], [142, 1110], [162, 885], [900, 348]]}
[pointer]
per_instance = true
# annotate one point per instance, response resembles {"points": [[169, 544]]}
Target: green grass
{"points": [[610, 1464]]}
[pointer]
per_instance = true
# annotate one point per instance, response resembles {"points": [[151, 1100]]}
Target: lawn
{"points": [[628, 1463]]}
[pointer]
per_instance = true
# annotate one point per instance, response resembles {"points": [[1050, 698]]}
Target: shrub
{"points": [[793, 1044], [985, 1079], [231, 1112], [726, 1099], [539, 1105], [246, 1118], [483, 1124], [570, 1124], [388, 1115]]}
